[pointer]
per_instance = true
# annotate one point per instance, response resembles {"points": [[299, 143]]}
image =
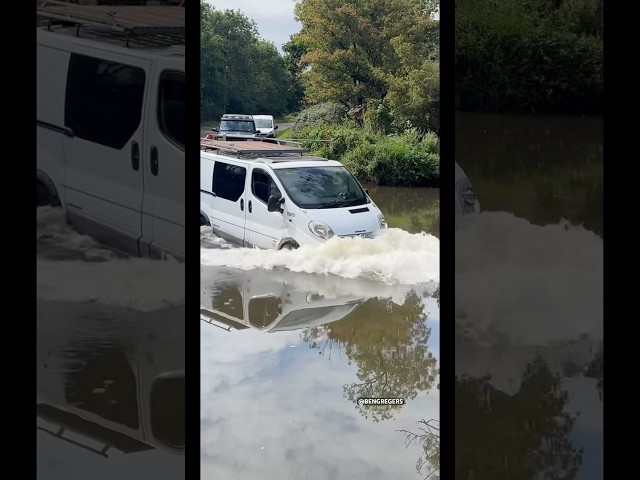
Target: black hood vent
{"points": [[359, 210]]}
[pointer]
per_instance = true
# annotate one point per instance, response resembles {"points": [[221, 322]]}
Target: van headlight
{"points": [[382, 222], [321, 230]]}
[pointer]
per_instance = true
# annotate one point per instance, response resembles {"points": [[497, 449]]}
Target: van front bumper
{"points": [[361, 235]]}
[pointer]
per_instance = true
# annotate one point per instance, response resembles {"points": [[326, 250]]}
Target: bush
{"points": [[321, 114], [407, 160], [396, 161]]}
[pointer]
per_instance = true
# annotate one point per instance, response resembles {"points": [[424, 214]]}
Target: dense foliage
{"points": [[409, 159], [240, 72], [529, 56], [379, 59]]}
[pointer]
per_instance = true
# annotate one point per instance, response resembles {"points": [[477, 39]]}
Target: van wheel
{"points": [[44, 196], [203, 221], [289, 245]]}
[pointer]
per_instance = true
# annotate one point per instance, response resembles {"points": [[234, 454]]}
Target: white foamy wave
{"points": [[137, 283], [53, 231], [335, 287], [210, 240], [522, 284], [67, 270], [394, 257], [329, 287]]}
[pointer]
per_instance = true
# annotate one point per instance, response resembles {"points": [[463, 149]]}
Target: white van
{"points": [[466, 198], [264, 301], [111, 123], [266, 194], [265, 125]]}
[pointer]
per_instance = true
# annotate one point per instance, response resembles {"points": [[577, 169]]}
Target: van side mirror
{"points": [[276, 127], [273, 204]]}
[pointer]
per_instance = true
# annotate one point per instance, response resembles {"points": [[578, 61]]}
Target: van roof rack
{"points": [[251, 147], [236, 116], [220, 320], [165, 23]]}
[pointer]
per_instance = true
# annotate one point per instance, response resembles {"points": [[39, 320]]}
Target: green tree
{"points": [[294, 49], [240, 72], [363, 50]]}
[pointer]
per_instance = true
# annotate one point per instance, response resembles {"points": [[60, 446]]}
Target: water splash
{"points": [[394, 257], [72, 267]]}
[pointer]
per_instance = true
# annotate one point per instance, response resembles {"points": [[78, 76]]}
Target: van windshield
{"points": [[237, 126], [321, 187], [263, 123]]}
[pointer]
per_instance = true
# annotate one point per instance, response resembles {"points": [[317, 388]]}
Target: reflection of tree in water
{"points": [[595, 370], [428, 437], [388, 343], [522, 436]]}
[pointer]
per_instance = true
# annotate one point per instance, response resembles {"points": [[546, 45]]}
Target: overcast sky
{"points": [[274, 18]]}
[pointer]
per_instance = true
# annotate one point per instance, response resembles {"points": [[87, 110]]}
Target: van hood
{"points": [[234, 134], [347, 221], [265, 130]]}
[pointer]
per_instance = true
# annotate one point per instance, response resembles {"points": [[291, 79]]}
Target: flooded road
{"points": [[110, 360], [529, 301], [291, 340]]}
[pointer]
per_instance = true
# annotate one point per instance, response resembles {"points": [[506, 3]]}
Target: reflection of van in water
{"points": [[106, 396], [264, 302], [269, 195], [466, 199]]}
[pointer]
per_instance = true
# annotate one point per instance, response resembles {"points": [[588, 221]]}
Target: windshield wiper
{"points": [[346, 203]]}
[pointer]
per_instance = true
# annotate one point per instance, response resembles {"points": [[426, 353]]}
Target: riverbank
{"points": [[405, 160]]}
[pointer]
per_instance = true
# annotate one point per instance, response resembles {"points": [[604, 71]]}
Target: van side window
{"points": [[103, 100], [171, 101], [228, 181], [263, 186]]}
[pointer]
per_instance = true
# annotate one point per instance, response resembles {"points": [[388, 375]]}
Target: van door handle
{"points": [[154, 161], [242, 204], [249, 206], [135, 156]]}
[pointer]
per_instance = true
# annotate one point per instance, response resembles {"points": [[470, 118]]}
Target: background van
{"points": [[235, 126], [265, 125]]}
